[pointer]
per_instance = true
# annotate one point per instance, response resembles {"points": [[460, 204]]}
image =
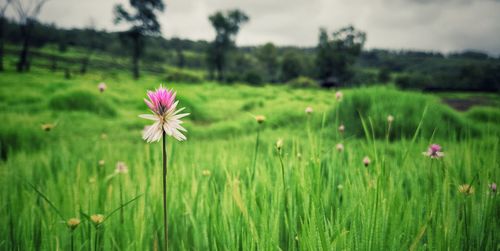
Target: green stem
{"points": [[96, 238], [165, 220], [121, 200], [255, 152], [72, 242]]}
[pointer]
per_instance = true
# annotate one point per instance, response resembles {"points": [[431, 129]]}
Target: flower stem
{"points": [[255, 153], [165, 221], [121, 199], [72, 242]]}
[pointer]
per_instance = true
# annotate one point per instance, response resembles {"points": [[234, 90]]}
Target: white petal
{"points": [[148, 116]]}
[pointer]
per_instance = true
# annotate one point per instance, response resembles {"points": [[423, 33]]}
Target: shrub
{"points": [[376, 103], [80, 100], [303, 82], [177, 75]]}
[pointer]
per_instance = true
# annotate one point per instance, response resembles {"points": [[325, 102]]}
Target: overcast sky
{"points": [[437, 25]]}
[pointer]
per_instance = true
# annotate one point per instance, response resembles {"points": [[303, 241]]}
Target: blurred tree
{"points": [[143, 22], [27, 12], [90, 34], [226, 27], [268, 57], [336, 56], [178, 47], [3, 8], [291, 67], [384, 75]]}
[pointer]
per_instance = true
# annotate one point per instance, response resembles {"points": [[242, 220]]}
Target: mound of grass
{"points": [[193, 106], [484, 114], [80, 100], [17, 135], [409, 109]]}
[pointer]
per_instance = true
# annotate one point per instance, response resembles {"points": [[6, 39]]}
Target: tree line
{"points": [[337, 60]]}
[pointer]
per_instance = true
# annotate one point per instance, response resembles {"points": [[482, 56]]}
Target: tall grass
{"points": [[307, 196]]}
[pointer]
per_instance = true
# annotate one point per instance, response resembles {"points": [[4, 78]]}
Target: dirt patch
{"points": [[464, 104]]}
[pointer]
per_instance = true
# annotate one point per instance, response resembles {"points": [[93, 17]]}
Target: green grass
{"points": [[329, 201]]}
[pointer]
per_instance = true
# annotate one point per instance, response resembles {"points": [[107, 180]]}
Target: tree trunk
{"points": [[85, 63], [2, 21], [22, 64], [136, 54]]}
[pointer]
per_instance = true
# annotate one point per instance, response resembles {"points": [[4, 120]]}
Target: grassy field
{"points": [[229, 188]]}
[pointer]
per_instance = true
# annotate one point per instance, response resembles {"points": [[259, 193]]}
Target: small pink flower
{"points": [[366, 161], [309, 110], [102, 87], [493, 187], [339, 95], [121, 168], [434, 151], [167, 119]]}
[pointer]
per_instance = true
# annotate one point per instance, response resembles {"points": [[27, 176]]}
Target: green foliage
{"points": [[303, 82], [484, 114], [17, 134], [182, 76], [336, 56], [291, 67], [310, 197], [375, 104], [81, 100]]}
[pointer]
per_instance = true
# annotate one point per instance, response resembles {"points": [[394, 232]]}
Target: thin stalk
{"points": [[96, 238], [121, 200], [165, 220], [255, 152], [72, 242]]}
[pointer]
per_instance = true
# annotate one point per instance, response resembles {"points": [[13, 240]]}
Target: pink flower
{"points": [[121, 168], [167, 119], [434, 151], [102, 87], [339, 95], [493, 187], [366, 161]]}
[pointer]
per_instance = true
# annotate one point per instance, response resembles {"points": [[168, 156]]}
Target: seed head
{"points": [[341, 128], [73, 223], [260, 119], [48, 127], [101, 162], [97, 219], [279, 144], [339, 147], [206, 173], [466, 189], [340, 187], [390, 119]]}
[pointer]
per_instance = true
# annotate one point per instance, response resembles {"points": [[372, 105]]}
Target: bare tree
{"points": [[3, 8], [27, 11]]}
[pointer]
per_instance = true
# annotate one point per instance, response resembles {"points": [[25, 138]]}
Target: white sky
{"points": [[437, 25]]}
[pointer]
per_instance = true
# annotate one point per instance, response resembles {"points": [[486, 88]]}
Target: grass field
{"points": [[229, 188]]}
